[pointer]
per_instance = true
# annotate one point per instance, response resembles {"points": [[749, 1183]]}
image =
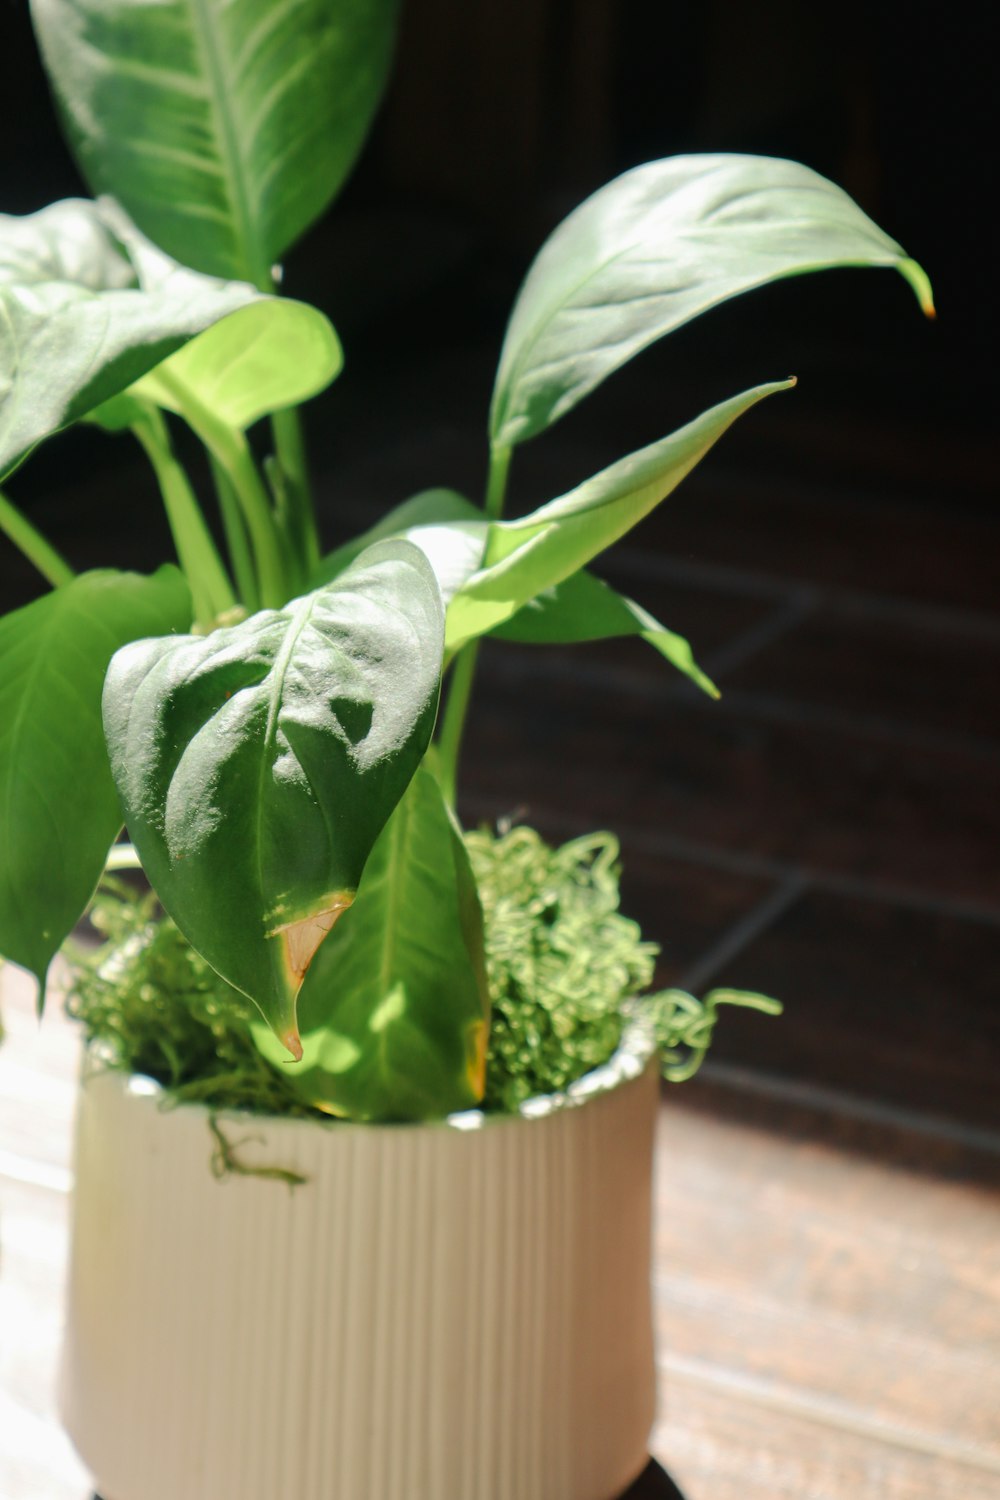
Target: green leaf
{"points": [[269, 355], [584, 608], [87, 307], [653, 249], [258, 765], [60, 808], [448, 529], [525, 557], [224, 129], [395, 1009]]}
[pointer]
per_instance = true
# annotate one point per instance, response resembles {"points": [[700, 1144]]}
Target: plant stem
{"points": [[211, 591], [299, 516], [464, 669], [290, 451], [30, 541], [496, 486], [453, 724], [230, 449], [236, 536]]}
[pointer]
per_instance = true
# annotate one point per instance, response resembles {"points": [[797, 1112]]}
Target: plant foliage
{"points": [[269, 713]]}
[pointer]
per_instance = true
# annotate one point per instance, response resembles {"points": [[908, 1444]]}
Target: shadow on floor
{"points": [[654, 1483]]}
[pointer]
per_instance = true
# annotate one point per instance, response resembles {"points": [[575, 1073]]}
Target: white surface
{"points": [[438, 1314]]}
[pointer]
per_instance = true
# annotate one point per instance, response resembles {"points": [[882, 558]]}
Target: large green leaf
{"points": [[88, 307], [585, 608], [224, 128], [653, 249], [270, 355], [258, 765], [523, 558], [60, 809], [395, 1010]]}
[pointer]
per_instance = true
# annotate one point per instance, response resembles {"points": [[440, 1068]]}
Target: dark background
{"points": [[829, 832]]}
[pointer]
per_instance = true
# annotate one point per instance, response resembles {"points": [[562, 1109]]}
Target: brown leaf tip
{"points": [[293, 1042], [302, 938]]}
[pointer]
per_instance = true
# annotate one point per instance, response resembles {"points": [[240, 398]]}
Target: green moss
{"points": [[149, 997], [561, 959], [564, 969]]}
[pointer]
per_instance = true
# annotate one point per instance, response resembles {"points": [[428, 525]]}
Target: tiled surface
{"points": [[761, 779], [898, 1004]]}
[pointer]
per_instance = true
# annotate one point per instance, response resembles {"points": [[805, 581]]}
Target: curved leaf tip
{"points": [[300, 941], [921, 284]]}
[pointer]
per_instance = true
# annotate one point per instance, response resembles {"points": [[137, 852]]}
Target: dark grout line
{"points": [[759, 867], [936, 619], [743, 932], [764, 707], [813, 489], [747, 644], [775, 1086], [776, 710]]}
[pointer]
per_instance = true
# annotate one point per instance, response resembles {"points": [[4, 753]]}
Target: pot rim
{"points": [[631, 1058]]}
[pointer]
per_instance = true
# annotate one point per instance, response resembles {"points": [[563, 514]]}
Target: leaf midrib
{"points": [[222, 89], [275, 694]]}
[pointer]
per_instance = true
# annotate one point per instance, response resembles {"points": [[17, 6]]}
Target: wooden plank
{"points": [[722, 1444], [862, 1290]]}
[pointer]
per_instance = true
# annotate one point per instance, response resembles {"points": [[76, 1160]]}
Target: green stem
{"points": [[464, 670], [211, 591], [236, 536], [496, 486], [453, 723], [290, 451], [298, 515], [230, 449], [34, 546]]}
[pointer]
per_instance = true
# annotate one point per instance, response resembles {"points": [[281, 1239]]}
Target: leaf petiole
{"points": [[449, 742], [33, 545], [290, 452], [231, 451], [211, 590], [236, 536]]}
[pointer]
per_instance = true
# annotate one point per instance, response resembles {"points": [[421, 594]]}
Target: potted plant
{"points": [[443, 1300]]}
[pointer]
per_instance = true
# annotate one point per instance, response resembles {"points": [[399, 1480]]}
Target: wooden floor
{"points": [[827, 1292]]}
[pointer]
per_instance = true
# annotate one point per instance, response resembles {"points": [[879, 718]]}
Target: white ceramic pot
{"points": [[457, 1311]]}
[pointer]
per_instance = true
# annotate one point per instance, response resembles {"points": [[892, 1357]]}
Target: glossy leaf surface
{"points": [[585, 608], [258, 765], [269, 355], [394, 1011], [525, 557], [224, 129], [60, 808], [653, 249], [87, 307]]}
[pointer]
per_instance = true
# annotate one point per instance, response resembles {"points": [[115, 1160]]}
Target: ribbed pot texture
{"points": [[458, 1311]]}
